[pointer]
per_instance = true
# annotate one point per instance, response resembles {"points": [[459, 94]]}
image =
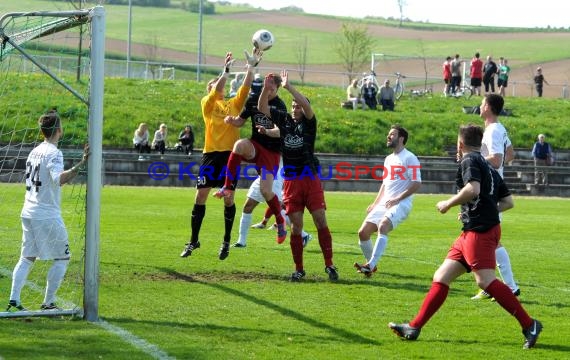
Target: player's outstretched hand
{"points": [[228, 62], [285, 79], [254, 58]]}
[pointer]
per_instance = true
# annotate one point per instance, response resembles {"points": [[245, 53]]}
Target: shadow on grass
{"points": [[341, 333]]}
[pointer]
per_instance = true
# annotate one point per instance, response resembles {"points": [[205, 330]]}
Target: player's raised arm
{"points": [[300, 99], [263, 101]]}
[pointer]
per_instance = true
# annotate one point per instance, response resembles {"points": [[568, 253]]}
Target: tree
{"points": [[354, 47], [401, 4], [302, 58]]}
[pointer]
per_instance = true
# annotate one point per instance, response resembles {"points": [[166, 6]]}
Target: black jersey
{"points": [[297, 144], [481, 213], [259, 118]]}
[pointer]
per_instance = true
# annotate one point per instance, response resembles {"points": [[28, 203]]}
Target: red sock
{"points": [[267, 215], [325, 241], [233, 162], [434, 299], [297, 251], [275, 206], [508, 301]]}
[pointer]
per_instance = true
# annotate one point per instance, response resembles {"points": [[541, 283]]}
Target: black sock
{"points": [[196, 222], [229, 216]]}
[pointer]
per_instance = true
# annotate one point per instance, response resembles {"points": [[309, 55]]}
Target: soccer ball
{"points": [[263, 39]]}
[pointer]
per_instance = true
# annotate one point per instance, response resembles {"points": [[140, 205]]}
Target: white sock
{"points": [[379, 248], [244, 225], [284, 214], [54, 278], [19, 276], [505, 270], [366, 247]]}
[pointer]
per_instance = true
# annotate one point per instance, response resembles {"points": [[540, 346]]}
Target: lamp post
{"points": [[129, 41], [199, 42]]}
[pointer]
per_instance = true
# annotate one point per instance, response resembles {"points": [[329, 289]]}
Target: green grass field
{"points": [[158, 305]]}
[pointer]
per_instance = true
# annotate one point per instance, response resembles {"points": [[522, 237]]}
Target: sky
{"points": [[510, 13]]}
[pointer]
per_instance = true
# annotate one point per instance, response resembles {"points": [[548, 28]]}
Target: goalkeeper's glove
{"points": [[254, 58]]}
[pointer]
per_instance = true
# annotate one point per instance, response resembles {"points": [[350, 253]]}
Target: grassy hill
{"points": [[432, 121]]}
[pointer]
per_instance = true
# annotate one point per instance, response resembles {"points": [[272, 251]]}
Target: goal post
{"points": [[38, 56]]}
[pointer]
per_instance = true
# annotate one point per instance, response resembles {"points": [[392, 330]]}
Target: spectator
{"points": [[353, 94], [455, 74], [476, 73], [489, 71], [236, 83], [542, 154], [369, 92], [539, 80], [503, 78], [386, 96], [186, 140], [140, 140], [447, 76], [159, 141]]}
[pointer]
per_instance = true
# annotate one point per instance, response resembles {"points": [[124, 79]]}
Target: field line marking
{"points": [[126, 336]]}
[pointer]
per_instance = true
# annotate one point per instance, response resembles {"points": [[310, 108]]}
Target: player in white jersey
{"points": [[44, 235], [254, 197], [401, 179], [497, 149]]}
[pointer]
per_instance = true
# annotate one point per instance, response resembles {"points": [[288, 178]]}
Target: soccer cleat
{"points": [[238, 245], [481, 295], [297, 275], [223, 192], [531, 334], [50, 306], [281, 233], [191, 246], [333, 273], [260, 225], [365, 269], [405, 331], [306, 239], [273, 227], [13, 306], [224, 250]]}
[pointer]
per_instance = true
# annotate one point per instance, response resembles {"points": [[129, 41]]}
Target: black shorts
{"points": [[502, 83], [213, 169], [475, 81]]}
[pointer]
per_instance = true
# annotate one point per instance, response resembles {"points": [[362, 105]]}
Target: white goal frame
{"points": [[96, 16]]}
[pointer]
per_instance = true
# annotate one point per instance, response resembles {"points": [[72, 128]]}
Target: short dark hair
{"points": [[49, 123], [496, 102], [471, 135], [402, 132]]}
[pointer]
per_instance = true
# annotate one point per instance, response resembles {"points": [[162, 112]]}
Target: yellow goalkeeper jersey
{"points": [[219, 135]]}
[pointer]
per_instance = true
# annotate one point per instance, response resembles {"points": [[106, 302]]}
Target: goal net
{"points": [[52, 60]]}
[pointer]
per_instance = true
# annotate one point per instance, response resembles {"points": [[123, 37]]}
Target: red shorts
{"points": [[303, 192], [265, 159], [476, 250]]}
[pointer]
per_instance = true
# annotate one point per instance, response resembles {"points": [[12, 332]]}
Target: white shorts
{"points": [[44, 239], [254, 191], [396, 214]]}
